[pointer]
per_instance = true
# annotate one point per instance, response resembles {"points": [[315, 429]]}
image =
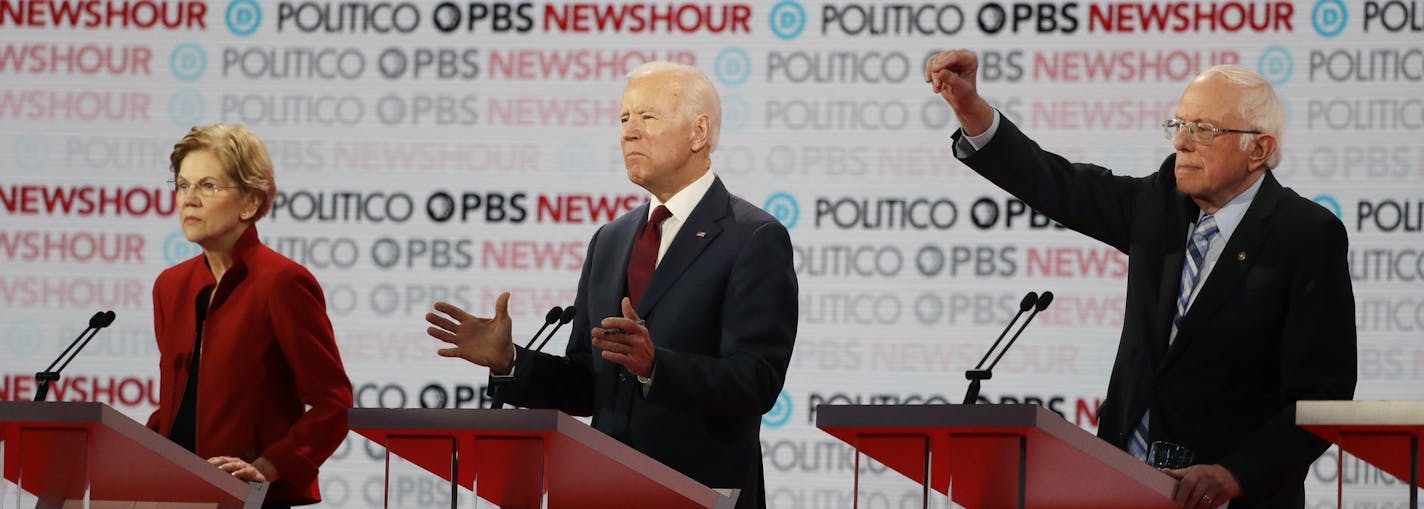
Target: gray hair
{"points": [[699, 97], [1259, 105]]}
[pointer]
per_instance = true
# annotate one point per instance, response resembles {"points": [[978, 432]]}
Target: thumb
{"points": [[628, 311], [1175, 473], [501, 307]]}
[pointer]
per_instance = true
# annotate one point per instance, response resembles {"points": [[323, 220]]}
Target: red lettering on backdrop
{"points": [[1179, 17], [142, 14], [529, 301], [526, 255], [649, 18], [32, 291], [121, 392], [106, 247], [1075, 262], [84, 105], [30, 200], [562, 111], [87, 59], [1085, 413], [576, 64], [585, 208], [1127, 65]]}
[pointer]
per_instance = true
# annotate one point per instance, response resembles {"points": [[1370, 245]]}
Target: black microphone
{"points": [[567, 317], [977, 374], [44, 378], [549, 318]]}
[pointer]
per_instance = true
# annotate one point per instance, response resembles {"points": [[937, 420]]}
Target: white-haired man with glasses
{"points": [[1239, 296]]}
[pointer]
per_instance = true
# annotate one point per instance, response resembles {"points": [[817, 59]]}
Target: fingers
{"points": [[455, 312], [440, 321], [628, 311], [620, 359], [1186, 485], [448, 352], [618, 342], [441, 334]]}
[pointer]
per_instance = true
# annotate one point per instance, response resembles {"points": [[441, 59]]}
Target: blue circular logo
{"points": [[176, 248], [1331, 203], [188, 61], [186, 108], [31, 152], [1329, 17], [780, 414], [735, 114], [1276, 65], [788, 19], [784, 208], [733, 66], [243, 17]]}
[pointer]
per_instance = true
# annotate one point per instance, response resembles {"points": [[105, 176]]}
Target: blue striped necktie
{"points": [[1191, 272]]}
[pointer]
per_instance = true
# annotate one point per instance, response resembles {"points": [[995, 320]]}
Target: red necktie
{"points": [[645, 254]]}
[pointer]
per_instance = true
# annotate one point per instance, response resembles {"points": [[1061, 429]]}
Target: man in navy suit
{"points": [[1239, 300], [696, 298]]}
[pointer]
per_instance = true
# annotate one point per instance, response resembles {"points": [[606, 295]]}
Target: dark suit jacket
{"points": [[268, 351], [722, 311], [1273, 323]]}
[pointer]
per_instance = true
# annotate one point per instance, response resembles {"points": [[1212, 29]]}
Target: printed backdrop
{"points": [[432, 151]]}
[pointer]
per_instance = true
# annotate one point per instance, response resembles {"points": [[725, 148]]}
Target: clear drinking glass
{"points": [[1170, 455]]}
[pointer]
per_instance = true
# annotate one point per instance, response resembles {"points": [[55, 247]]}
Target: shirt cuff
{"points": [[968, 145], [647, 381]]}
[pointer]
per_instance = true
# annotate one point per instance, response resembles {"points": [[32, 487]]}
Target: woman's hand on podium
{"points": [[260, 470]]}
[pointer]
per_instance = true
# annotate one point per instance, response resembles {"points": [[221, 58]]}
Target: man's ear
{"points": [[701, 132], [1261, 149]]}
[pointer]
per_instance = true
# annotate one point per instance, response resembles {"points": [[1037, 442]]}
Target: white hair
{"points": [[1259, 105], [699, 97]]}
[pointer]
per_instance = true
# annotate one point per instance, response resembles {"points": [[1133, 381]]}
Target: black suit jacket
{"points": [[721, 309], [1273, 323]]}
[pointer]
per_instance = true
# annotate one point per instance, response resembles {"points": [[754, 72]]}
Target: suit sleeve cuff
{"points": [[968, 145]]}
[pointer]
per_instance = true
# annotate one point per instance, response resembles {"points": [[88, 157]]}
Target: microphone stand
{"points": [[44, 378]]}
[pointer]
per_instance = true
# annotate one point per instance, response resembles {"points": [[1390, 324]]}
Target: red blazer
{"points": [[268, 352]]}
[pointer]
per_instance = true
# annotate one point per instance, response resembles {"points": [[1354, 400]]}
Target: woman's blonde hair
{"points": [[243, 156]]}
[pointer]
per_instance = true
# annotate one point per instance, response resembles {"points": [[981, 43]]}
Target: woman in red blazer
{"points": [[251, 377]]}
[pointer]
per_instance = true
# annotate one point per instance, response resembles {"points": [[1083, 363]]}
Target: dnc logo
{"points": [[780, 414], [784, 208]]}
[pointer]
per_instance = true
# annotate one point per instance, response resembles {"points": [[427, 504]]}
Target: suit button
{"points": [[622, 377]]}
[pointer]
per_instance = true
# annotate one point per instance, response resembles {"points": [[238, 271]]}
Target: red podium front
{"points": [[1384, 433], [998, 456], [62, 451], [516, 457]]}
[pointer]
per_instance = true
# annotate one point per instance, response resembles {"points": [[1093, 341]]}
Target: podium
{"points": [[64, 451], [996, 456], [1384, 433], [514, 458]]}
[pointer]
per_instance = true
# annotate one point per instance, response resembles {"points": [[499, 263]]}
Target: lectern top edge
{"points": [[1025, 415], [1360, 413]]}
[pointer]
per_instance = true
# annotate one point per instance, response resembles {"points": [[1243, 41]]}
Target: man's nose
{"points": [[1182, 141]]}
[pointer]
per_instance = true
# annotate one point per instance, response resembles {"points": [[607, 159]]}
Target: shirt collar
{"points": [[682, 202], [1231, 214]]}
